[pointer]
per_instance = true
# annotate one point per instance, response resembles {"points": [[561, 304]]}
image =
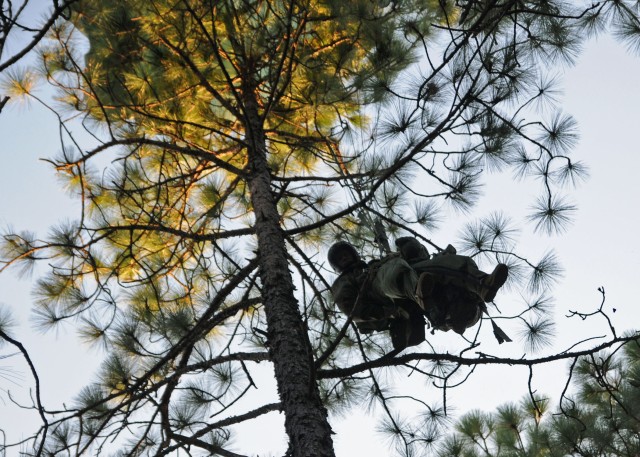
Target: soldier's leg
{"points": [[488, 283], [491, 283], [407, 332], [462, 271], [424, 289], [396, 279]]}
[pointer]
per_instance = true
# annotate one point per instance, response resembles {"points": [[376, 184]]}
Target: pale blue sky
{"points": [[600, 248]]}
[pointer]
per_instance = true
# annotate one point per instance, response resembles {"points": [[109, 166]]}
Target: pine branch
{"points": [[483, 359], [34, 373]]}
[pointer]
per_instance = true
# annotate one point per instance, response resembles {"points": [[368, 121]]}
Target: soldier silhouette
{"points": [[396, 292]]}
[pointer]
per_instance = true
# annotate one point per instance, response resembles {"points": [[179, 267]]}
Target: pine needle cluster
{"points": [[226, 144]]}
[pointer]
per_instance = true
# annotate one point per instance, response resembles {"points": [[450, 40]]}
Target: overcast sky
{"points": [[602, 92], [600, 248]]}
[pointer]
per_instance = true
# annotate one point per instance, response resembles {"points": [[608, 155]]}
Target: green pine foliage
{"points": [[600, 417], [225, 144]]}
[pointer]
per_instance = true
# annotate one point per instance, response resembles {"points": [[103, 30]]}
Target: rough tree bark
{"points": [[306, 421]]}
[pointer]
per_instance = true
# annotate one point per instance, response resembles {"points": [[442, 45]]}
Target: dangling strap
{"points": [[499, 333]]}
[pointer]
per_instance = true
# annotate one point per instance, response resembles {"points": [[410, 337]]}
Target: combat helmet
{"points": [[337, 250], [411, 249]]}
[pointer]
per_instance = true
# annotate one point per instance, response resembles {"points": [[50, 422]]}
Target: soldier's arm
{"points": [[352, 298], [345, 293]]}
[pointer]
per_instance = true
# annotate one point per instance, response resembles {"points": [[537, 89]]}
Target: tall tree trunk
{"points": [[306, 421]]}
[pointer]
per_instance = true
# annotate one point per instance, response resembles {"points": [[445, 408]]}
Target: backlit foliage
{"points": [[368, 113]]}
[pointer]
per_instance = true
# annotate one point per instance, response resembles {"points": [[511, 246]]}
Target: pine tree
{"points": [[600, 418], [18, 25], [232, 142]]}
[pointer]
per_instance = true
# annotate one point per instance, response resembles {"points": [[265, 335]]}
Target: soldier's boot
{"points": [[426, 283], [491, 283]]}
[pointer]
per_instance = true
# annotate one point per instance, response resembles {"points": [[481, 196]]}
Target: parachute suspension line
{"points": [[355, 189]]}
